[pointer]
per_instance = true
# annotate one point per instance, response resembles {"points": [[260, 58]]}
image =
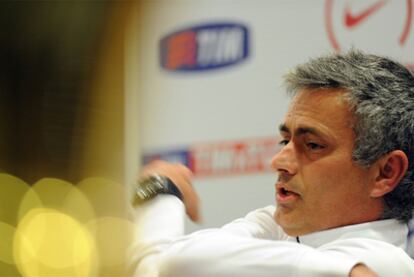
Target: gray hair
{"points": [[380, 92]]}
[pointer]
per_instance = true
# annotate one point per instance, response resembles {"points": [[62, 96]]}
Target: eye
{"points": [[314, 146], [283, 142]]}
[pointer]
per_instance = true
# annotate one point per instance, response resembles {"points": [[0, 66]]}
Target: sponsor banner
{"points": [[205, 47], [222, 158]]}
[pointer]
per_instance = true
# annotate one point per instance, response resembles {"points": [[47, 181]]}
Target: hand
{"points": [[181, 176], [361, 270]]}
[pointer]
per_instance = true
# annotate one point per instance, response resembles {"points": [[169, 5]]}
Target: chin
{"points": [[288, 225], [281, 221], [291, 232]]}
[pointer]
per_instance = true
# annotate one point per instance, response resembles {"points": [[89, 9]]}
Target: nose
{"points": [[285, 161]]}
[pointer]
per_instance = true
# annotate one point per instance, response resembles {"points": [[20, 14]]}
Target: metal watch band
{"points": [[153, 185]]}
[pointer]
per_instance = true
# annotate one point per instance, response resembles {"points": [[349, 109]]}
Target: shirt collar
{"points": [[389, 230]]}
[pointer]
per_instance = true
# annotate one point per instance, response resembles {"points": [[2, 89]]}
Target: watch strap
{"points": [[149, 187]]}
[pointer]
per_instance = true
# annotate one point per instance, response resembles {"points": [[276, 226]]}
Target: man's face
{"points": [[319, 185]]}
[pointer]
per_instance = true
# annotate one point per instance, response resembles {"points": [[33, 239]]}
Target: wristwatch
{"points": [[151, 186]]}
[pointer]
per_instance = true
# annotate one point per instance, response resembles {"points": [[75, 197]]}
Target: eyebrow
{"points": [[300, 130]]}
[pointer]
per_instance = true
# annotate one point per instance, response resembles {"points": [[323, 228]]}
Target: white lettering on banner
{"points": [[233, 158], [219, 46], [251, 159]]}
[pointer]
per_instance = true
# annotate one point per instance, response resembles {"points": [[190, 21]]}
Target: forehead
{"points": [[324, 109]]}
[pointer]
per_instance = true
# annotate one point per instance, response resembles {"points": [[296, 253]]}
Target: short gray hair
{"points": [[380, 92]]}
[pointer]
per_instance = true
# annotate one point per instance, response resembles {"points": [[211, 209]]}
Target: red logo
{"points": [[349, 22], [352, 20], [205, 47]]}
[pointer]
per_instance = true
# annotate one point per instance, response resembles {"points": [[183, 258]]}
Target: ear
{"points": [[391, 169]]}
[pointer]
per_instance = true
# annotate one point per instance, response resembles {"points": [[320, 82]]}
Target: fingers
{"points": [[182, 178], [362, 270]]}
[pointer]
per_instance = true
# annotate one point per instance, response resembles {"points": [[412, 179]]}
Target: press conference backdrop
{"points": [[208, 75]]}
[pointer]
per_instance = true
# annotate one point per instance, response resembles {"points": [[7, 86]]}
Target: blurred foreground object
{"points": [[54, 228], [62, 88]]}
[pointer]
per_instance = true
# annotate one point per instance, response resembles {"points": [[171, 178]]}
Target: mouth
{"points": [[285, 195]]}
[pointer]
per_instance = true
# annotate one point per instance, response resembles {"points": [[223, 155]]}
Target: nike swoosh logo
{"points": [[352, 20]]}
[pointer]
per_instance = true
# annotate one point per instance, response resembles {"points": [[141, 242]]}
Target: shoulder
{"points": [[383, 257]]}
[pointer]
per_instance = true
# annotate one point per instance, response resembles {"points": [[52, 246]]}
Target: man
{"points": [[344, 195]]}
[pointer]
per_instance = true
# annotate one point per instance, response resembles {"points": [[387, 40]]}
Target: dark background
{"points": [[51, 56]]}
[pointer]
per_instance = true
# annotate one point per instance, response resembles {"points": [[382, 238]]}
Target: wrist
{"points": [[149, 187]]}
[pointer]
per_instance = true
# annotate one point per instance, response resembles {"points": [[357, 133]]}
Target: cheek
{"points": [[334, 181], [327, 177]]}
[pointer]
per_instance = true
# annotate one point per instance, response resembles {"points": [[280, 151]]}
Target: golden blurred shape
{"points": [[113, 237], [12, 191], [51, 243], [6, 243], [108, 198]]}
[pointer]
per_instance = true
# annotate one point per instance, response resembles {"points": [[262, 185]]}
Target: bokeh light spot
{"points": [[6, 243], [50, 242], [107, 197], [12, 191], [113, 237]]}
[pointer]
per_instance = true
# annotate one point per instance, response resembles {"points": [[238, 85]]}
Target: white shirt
{"points": [[256, 246]]}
